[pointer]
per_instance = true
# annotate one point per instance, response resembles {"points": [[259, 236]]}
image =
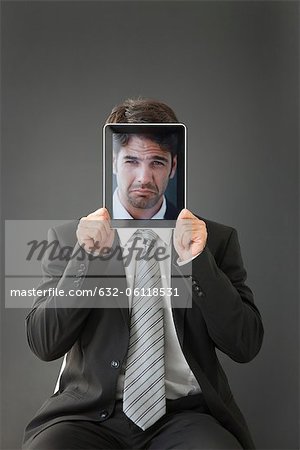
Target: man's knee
{"points": [[69, 435], [55, 437], [190, 431], [212, 435]]}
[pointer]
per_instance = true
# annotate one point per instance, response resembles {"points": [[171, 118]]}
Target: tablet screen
{"points": [[144, 174]]}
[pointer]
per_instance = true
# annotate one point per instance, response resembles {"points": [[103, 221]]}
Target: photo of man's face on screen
{"points": [[147, 165]]}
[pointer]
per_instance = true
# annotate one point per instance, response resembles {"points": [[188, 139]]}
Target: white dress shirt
{"points": [[179, 379]]}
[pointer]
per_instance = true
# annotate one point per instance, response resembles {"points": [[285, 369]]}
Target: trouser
{"points": [[180, 428]]}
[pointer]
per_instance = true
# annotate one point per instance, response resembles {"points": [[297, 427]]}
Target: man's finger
{"points": [[186, 239], [101, 213], [186, 214]]}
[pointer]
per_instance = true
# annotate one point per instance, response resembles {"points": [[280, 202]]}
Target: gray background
{"points": [[230, 71]]}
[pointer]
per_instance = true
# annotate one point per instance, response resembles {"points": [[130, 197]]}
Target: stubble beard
{"points": [[143, 202]]}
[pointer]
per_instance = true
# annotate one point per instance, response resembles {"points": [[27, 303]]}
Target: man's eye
{"points": [[158, 163], [131, 161]]}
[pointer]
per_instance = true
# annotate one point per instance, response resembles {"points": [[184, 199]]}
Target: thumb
{"points": [[102, 213], [186, 214]]}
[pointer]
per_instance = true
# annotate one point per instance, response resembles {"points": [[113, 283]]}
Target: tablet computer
{"points": [[144, 173]]}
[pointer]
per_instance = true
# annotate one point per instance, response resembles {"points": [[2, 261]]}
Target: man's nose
{"points": [[144, 174]]}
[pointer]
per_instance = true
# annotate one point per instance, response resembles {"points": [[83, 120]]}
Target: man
{"points": [[136, 383], [143, 166]]}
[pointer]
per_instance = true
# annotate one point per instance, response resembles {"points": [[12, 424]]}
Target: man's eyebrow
{"points": [[156, 157], [133, 158]]}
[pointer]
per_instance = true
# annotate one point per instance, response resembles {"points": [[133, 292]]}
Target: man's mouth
{"points": [[143, 191]]}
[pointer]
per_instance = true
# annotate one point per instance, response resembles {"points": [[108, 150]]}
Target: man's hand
{"points": [[94, 233], [190, 235]]}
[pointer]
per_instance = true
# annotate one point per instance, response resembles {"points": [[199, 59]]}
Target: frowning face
{"points": [[143, 170]]}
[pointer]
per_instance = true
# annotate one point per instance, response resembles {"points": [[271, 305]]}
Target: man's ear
{"points": [[174, 166]]}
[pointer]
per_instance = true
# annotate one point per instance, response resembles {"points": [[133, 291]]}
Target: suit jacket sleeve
{"points": [[54, 322], [227, 305]]}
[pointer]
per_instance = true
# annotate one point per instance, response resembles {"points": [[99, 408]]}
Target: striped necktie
{"points": [[144, 400]]}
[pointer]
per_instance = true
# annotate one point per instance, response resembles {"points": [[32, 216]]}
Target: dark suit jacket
{"points": [[217, 312], [171, 211]]}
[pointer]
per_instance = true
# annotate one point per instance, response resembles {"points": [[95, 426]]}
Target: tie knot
{"points": [[149, 237]]}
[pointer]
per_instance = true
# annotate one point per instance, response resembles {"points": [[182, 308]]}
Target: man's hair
{"points": [[144, 111]]}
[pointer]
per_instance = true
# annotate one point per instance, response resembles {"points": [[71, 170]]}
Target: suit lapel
{"points": [[180, 284], [110, 271], [171, 212]]}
